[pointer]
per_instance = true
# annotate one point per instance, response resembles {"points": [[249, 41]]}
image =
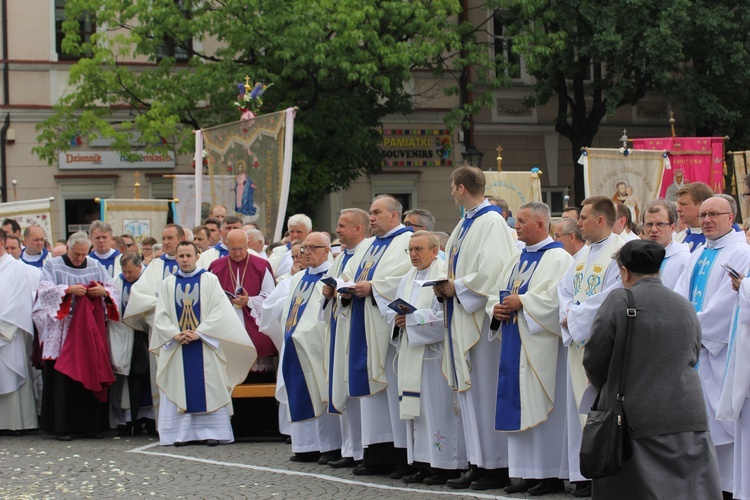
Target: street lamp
{"points": [[473, 156]]}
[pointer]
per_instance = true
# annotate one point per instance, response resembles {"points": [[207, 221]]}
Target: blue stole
{"points": [[334, 322], [508, 409], [693, 240], [300, 403], [125, 295], [222, 251], [38, 264], [359, 378], [699, 277], [187, 294], [452, 264], [170, 266], [108, 263]]}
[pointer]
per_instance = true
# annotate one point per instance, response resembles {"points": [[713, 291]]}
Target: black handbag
{"points": [[606, 440]]}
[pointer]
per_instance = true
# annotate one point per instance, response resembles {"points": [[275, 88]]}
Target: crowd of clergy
{"points": [[468, 360]]}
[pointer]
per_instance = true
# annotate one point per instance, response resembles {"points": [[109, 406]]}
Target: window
{"points": [[86, 28], [180, 50], [504, 48]]}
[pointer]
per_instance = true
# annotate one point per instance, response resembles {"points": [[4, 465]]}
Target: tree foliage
{"points": [[342, 62]]}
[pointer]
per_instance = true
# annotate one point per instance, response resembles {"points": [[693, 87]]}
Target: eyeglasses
{"points": [[311, 247], [557, 236], [407, 251], [659, 225], [409, 224], [745, 195], [712, 215]]}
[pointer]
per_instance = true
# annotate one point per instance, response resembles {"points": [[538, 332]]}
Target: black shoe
{"points": [[372, 470], [124, 430], [466, 478], [150, 427], [547, 486], [418, 477], [329, 456], [344, 463], [178, 444], [492, 479], [288, 440], [583, 489], [93, 435], [212, 442], [404, 470], [435, 480], [309, 456], [522, 486], [64, 437]]}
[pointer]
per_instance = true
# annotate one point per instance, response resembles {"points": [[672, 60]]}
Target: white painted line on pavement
{"points": [[463, 493]]}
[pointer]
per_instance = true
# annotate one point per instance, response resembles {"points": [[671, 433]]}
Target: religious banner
{"points": [[516, 188], [221, 193], [741, 170], [632, 177], [30, 212], [257, 153], [417, 147], [139, 218], [693, 159]]}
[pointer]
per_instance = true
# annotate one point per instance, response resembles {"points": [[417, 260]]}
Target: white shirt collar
{"points": [[541, 244], [325, 266], [400, 226], [471, 213]]}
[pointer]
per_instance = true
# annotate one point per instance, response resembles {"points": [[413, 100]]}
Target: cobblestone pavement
{"points": [[37, 466]]}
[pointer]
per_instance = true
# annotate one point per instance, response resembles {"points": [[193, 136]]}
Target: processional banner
{"points": [[632, 177], [29, 213], [257, 153], [139, 218], [693, 159], [741, 170], [222, 193], [516, 188]]}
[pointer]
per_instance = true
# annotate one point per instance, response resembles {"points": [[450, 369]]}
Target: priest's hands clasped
{"points": [[186, 337], [503, 310], [92, 290]]}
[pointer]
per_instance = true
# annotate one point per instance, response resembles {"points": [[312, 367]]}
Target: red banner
{"points": [[693, 159]]}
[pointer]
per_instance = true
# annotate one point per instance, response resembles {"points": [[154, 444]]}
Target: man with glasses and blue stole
{"points": [[708, 286], [302, 380], [480, 245], [202, 352], [580, 293], [376, 270], [531, 378], [659, 223]]}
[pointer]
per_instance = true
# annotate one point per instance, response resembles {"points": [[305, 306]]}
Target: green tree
{"points": [[595, 56], [342, 62]]}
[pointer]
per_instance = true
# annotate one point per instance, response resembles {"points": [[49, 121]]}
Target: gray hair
{"points": [[425, 218], [431, 238], [81, 237], [655, 206], [131, 257], [732, 203], [393, 204], [539, 209], [299, 220], [361, 217], [102, 226], [256, 235], [570, 226]]}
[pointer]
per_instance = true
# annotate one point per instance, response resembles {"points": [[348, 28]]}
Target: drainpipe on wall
{"points": [[6, 101]]}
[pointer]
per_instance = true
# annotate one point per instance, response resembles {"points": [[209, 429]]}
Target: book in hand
{"points": [[328, 280], [732, 271], [234, 295], [400, 306], [424, 283], [344, 286]]}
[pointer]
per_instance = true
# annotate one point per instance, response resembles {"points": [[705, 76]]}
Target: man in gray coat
{"points": [[673, 455]]}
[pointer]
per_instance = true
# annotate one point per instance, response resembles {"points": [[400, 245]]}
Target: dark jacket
{"points": [[663, 391]]}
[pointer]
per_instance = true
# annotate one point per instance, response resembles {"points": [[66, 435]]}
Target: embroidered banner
{"points": [[139, 218], [633, 178], [221, 193], [516, 188], [739, 163], [30, 212], [257, 154], [693, 159]]}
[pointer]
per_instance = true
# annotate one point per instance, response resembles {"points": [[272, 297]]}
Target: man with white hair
{"points": [[76, 297], [256, 241], [299, 226], [567, 233], [101, 236]]}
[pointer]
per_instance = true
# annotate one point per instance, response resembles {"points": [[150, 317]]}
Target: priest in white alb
{"points": [[659, 223], [219, 250], [203, 351], [531, 381]]}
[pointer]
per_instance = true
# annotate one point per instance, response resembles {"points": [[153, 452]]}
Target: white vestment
{"points": [[113, 269], [17, 405], [379, 403], [471, 359], [676, 258], [145, 291], [715, 316], [227, 355], [434, 430], [580, 293], [536, 447], [210, 255]]}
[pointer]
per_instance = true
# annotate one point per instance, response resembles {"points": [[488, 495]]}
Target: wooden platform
{"points": [[254, 391]]}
